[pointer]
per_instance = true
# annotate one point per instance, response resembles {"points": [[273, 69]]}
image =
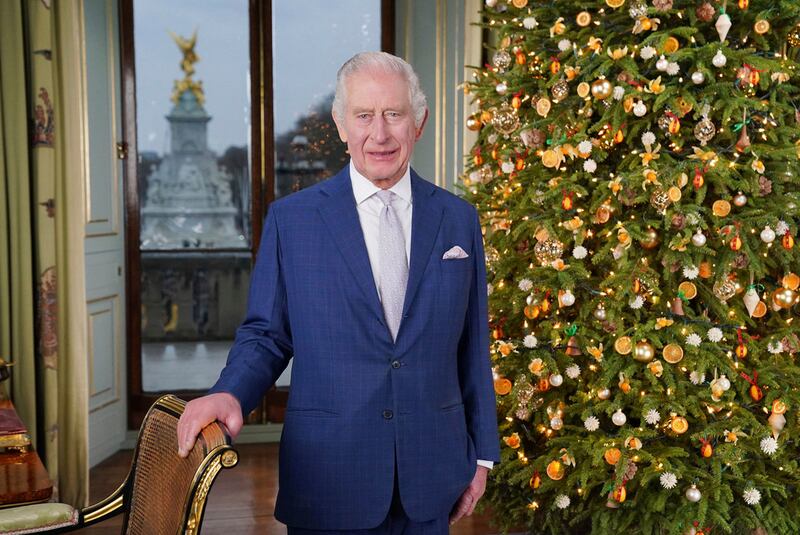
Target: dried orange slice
{"points": [[760, 310], [674, 194], [671, 45], [721, 208], [679, 425], [689, 289], [623, 345], [673, 353], [502, 386], [615, 3]]}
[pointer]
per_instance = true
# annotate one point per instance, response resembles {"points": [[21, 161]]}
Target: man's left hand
{"points": [[469, 499]]}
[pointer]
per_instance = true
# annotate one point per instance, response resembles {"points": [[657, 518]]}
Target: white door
{"points": [[104, 232]]}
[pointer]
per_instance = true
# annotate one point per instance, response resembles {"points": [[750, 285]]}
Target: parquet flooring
{"points": [[241, 501]]}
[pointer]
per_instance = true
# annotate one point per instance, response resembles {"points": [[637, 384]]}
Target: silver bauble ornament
{"points": [[639, 109], [560, 90], [719, 60], [662, 63], [740, 199], [767, 235], [556, 379], [619, 418], [693, 494], [568, 299], [548, 250], [699, 239], [501, 59], [604, 393], [698, 77], [600, 313], [556, 423], [501, 88], [704, 131], [724, 383]]}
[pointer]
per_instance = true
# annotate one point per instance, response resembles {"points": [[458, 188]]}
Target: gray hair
{"points": [[385, 62]]}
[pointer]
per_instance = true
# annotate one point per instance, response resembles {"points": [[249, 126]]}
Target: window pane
{"points": [[193, 111], [307, 51]]}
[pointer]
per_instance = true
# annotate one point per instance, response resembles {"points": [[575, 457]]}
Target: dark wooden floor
{"points": [[241, 501]]}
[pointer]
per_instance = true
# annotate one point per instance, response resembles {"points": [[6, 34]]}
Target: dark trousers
{"points": [[395, 523]]}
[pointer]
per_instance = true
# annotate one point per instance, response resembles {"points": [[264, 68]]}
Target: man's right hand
{"points": [[202, 411]]}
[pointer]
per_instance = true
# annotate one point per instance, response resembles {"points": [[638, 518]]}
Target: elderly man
{"points": [[374, 281]]}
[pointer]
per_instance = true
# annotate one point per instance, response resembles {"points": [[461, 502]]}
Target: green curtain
{"points": [[57, 95], [16, 258], [42, 198]]}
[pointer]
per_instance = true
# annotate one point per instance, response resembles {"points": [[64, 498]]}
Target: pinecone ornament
{"points": [[705, 12]]}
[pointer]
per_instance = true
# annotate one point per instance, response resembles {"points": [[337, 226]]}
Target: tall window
{"points": [[206, 164]]}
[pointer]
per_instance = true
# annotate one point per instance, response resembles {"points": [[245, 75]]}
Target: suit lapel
{"points": [[341, 217], [425, 220]]}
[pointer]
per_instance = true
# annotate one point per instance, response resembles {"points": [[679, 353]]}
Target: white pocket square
{"points": [[455, 252]]}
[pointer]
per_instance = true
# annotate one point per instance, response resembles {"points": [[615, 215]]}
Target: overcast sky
{"points": [[311, 39]]}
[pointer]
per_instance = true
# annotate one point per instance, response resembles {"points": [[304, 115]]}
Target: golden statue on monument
{"points": [[187, 66]]}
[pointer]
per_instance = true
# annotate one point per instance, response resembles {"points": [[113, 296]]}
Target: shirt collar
{"points": [[363, 189]]}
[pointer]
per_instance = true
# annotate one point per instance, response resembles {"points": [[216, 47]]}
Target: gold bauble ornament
{"points": [[705, 130], [623, 345], [659, 200], [644, 351], [784, 297], [794, 36], [673, 353], [547, 251], [505, 120], [601, 89], [791, 281], [474, 122], [651, 239]]}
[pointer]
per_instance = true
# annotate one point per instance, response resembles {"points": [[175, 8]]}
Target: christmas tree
{"points": [[636, 170]]}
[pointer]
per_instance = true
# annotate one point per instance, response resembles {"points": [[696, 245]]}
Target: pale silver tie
{"points": [[393, 263]]}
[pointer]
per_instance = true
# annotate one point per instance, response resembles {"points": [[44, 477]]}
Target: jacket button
{"points": [[396, 364], [388, 414]]}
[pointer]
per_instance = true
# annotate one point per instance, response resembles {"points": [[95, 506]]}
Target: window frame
{"points": [[262, 182]]}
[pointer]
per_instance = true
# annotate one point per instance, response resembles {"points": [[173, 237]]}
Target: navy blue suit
{"points": [[359, 403]]}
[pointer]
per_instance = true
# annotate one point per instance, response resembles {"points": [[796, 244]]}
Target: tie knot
{"points": [[386, 196]]}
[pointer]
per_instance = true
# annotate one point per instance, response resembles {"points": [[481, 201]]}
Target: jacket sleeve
{"points": [[263, 344], [475, 373]]}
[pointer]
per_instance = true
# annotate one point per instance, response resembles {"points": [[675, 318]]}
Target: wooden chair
{"points": [[163, 494]]}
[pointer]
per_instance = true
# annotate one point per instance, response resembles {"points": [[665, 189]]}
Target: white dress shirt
{"points": [[369, 208]]}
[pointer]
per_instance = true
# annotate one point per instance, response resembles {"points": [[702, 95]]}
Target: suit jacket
{"points": [[359, 403]]}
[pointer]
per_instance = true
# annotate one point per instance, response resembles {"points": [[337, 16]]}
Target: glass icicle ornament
{"points": [[723, 26]]}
